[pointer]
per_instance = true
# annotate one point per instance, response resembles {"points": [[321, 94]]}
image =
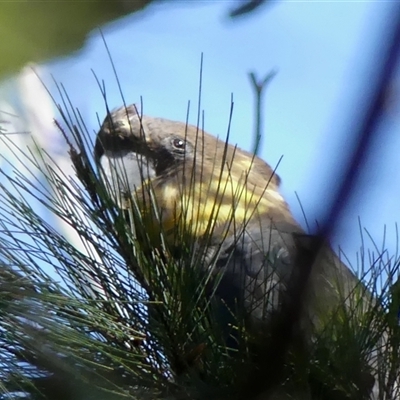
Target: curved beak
{"points": [[123, 172]]}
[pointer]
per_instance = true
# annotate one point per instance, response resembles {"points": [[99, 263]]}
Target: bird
{"points": [[228, 201]]}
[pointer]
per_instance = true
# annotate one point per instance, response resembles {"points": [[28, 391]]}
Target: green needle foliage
{"points": [[114, 317]]}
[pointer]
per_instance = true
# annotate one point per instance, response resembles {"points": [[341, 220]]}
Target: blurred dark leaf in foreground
{"points": [[247, 7], [37, 31]]}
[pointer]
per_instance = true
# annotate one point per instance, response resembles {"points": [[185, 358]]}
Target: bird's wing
{"points": [[259, 262]]}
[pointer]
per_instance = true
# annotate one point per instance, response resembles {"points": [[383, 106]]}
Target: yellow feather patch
{"points": [[215, 202], [204, 207]]}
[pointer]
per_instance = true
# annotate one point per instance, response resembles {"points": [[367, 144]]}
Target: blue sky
{"points": [[323, 52]]}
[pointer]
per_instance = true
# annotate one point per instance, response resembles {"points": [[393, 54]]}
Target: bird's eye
{"points": [[179, 144]]}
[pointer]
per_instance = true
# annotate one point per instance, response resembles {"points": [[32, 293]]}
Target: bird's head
{"points": [[195, 178]]}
